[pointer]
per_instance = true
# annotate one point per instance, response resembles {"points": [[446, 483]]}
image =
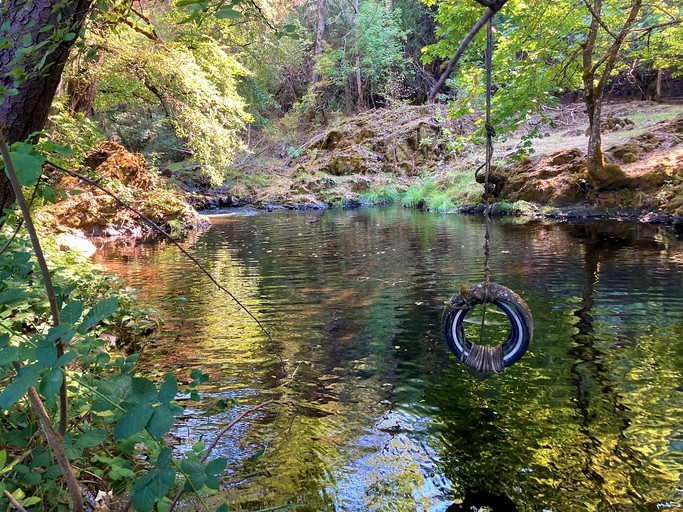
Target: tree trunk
{"points": [[319, 38], [390, 7], [601, 173], [26, 111], [81, 87], [658, 86], [359, 82]]}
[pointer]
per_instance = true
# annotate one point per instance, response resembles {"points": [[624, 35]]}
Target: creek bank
{"points": [[87, 217], [374, 158]]}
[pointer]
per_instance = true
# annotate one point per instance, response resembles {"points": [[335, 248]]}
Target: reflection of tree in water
{"points": [[609, 462]]}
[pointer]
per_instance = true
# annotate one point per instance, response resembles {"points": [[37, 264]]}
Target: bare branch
{"points": [[461, 49], [155, 227], [13, 501]]}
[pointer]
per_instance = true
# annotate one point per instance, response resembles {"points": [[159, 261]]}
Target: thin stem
{"points": [[44, 270], [13, 501]]}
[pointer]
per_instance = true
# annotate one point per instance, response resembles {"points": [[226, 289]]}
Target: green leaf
{"points": [[223, 508], [8, 355], [133, 421], [152, 486], [162, 419], [13, 295], [228, 13], [103, 309], [185, 3], [195, 473], [142, 391], [3, 458], [65, 359], [51, 383], [216, 466], [168, 389], [164, 458], [71, 313], [17, 388], [46, 352], [63, 332], [91, 438], [27, 167]]}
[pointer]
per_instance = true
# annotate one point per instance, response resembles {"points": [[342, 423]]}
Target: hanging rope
{"points": [[483, 358]]}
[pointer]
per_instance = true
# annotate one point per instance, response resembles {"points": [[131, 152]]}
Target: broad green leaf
{"points": [[65, 359], [28, 167], [184, 3], [51, 383], [195, 473], [112, 393], [3, 459], [216, 466], [162, 419], [46, 352], [13, 295], [91, 438], [63, 332], [142, 391], [164, 458], [17, 388], [103, 309], [151, 487], [223, 508], [8, 355], [133, 421], [168, 389], [120, 473], [4, 340], [228, 13], [71, 313]]}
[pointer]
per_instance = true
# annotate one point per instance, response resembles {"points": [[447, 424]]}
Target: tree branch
{"points": [[461, 49], [44, 270], [13, 501]]}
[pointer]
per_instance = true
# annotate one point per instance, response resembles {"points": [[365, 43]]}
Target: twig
{"points": [[44, 270], [303, 147], [221, 433], [19, 223], [13, 501], [239, 418], [168, 237]]}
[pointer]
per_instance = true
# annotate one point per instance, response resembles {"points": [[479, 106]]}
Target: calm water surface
{"points": [[384, 417]]}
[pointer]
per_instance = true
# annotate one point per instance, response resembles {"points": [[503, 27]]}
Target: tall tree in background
{"points": [[37, 37], [319, 38]]}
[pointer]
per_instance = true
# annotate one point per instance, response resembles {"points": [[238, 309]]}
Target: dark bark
{"points": [[26, 111]]}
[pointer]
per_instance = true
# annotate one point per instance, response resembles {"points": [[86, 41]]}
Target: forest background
{"points": [[305, 103]]}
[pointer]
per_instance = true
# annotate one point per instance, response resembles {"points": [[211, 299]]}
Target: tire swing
{"points": [[478, 357]]}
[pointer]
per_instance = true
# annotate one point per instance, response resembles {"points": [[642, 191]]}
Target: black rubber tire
{"points": [[519, 316]]}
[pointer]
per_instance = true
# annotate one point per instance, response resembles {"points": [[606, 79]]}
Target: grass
{"points": [[385, 195]]}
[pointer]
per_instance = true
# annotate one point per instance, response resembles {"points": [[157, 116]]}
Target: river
{"points": [[379, 416]]}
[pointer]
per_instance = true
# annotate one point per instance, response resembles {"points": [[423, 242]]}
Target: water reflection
{"points": [[386, 418]]}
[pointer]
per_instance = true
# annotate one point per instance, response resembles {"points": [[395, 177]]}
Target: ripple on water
{"points": [[384, 417]]}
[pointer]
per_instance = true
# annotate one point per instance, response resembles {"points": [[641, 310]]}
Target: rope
{"points": [[483, 358]]}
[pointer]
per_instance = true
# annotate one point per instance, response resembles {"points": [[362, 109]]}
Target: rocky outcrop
{"points": [[401, 142], [91, 211]]}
